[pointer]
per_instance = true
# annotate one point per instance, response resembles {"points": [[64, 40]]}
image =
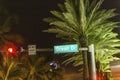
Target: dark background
{"points": [[31, 14]]}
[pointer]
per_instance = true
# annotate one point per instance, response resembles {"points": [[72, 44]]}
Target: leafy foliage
{"points": [[38, 68], [9, 68]]}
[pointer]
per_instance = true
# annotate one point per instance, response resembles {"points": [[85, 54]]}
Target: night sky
{"points": [[31, 14]]}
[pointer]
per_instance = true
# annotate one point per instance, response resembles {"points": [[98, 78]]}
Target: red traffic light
{"points": [[10, 50]]}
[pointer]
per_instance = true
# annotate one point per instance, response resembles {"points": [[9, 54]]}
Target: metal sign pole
{"points": [[93, 65]]}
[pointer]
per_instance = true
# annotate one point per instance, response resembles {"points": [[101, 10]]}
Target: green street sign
{"points": [[66, 48]]}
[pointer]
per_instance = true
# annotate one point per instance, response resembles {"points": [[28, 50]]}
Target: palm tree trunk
{"points": [[85, 59], [85, 66]]}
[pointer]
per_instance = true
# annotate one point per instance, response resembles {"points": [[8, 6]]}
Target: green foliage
{"points": [[37, 68], [9, 68], [26, 67]]}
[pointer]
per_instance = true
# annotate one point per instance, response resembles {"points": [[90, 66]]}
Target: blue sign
{"points": [[66, 48]]}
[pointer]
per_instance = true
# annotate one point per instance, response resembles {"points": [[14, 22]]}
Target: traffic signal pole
{"points": [[44, 49], [33, 51]]}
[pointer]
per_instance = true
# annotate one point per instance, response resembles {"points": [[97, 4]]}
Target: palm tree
{"points": [[9, 68], [82, 22], [36, 67]]}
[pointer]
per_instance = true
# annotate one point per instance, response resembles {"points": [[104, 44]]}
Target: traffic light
{"points": [[11, 50]]}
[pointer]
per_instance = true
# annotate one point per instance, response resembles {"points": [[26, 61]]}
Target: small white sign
{"points": [[32, 49]]}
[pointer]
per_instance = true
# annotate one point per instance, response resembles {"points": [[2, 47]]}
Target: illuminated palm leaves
{"points": [[80, 17]]}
